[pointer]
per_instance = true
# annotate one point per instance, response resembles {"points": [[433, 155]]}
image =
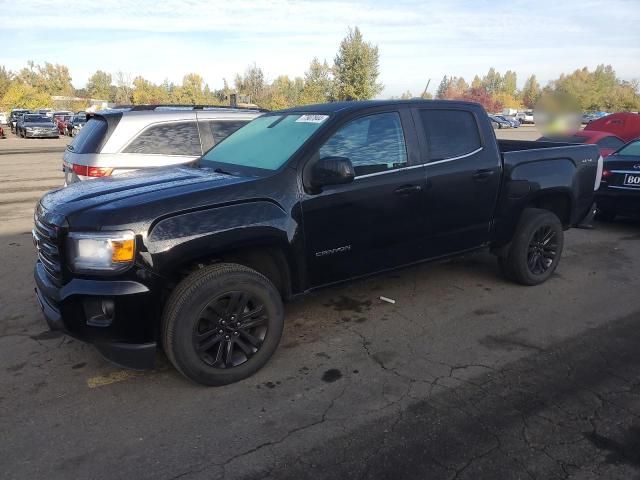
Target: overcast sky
{"points": [[418, 40]]}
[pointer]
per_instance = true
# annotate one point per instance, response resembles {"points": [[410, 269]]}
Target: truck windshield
{"points": [[265, 143]]}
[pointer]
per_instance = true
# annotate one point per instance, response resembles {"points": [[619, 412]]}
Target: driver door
{"points": [[375, 222]]}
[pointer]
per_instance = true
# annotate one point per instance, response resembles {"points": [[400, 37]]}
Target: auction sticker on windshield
{"points": [[312, 118]]}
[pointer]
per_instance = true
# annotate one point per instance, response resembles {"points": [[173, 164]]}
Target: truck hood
{"points": [[128, 199]]}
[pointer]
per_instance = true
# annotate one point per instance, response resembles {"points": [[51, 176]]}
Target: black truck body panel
{"points": [[183, 216]]}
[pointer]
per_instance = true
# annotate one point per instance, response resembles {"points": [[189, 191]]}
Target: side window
{"points": [[374, 143], [450, 133], [610, 142], [214, 131], [167, 139]]}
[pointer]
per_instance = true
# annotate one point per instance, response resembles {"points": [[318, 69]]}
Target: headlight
{"points": [[28, 128], [110, 251]]}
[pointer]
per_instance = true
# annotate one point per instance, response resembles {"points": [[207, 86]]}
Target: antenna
{"points": [[426, 88]]}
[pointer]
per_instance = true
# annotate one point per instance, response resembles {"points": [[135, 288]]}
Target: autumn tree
{"points": [[251, 83], [99, 85], [6, 77], [492, 81], [356, 68], [22, 95], [124, 88], [443, 88]]}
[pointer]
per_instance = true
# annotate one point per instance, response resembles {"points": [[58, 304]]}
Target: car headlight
{"points": [[28, 128], [100, 251]]}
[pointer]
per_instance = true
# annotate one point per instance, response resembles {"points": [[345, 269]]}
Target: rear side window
{"points": [[213, 132], [449, 133], [177, 138], [610, 142], [90, 137]]}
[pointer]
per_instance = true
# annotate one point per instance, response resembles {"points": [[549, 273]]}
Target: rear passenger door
{"points": [[463, 177]]}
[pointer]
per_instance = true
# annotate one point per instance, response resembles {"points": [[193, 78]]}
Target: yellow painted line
{"points": [[113, 377]]}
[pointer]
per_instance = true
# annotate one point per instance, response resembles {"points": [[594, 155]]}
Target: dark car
{"points": [[619, 192], [501, 122], [76, 123], [606, 142], [513, 121], [34, 125], [199, 259], [14, 117]]}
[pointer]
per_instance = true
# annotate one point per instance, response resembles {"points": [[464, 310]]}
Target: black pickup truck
{"points": [[198, 260]]}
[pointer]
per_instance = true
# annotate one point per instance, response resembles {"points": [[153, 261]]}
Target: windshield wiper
{"points": [[224, 172]]}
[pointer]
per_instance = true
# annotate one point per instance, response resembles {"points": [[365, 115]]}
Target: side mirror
{"points": [[331, 171]]}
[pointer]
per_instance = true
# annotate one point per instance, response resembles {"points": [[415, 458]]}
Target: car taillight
{"points": [[606, 173], [91, 171]]}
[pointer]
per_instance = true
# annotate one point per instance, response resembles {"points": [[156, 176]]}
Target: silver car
{"points": [[119, 141]]}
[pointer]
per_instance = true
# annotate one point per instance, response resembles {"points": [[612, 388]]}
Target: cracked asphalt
{"points": [[466, 376]]}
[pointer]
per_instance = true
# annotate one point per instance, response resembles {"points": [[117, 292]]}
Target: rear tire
{"points": [[536, 248], [222, 324]]}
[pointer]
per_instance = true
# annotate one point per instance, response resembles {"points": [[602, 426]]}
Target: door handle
{"points": [[407, 189], [482, 174]]}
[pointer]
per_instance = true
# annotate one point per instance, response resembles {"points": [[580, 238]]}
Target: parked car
{"points": [[14, 116], [619, 191], [62, 122], [76, 123], [34, 125], [515, 123], [3, 118], [145, 137], [624, 125], [606, 142], [199, 259], [502, 123], [525, 117]]}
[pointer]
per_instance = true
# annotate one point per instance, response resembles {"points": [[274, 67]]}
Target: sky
{"points": [[417, 40]]}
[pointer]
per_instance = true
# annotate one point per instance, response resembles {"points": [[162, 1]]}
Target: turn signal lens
{"points": [[606, 173], [122, 250]]}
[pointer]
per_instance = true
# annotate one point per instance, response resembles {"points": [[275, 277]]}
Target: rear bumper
{"points": [[128, 339]]}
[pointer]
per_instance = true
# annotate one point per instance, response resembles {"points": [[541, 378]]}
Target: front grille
{"points": [[47, 242]]}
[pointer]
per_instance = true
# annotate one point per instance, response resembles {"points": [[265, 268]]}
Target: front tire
{"points": [[536, 248], [222, 324]]}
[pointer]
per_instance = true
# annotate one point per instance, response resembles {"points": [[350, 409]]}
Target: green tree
{"points": [[252, 84], [318, 83], [443, 88], [192, 90], [530, 92], [99, 85], [124, 89], [492, 81], [146, 92], [509, 83], [356, 68], [476, 83]]}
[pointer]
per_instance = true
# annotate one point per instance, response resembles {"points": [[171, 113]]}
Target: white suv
{"points": [[122, 140]]}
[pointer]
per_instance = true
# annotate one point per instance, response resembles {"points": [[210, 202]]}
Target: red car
{"points": [[625, 125], [2, 132], [607, 142]]}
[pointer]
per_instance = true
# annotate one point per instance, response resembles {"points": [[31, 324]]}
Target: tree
{"points": [[492, 81], [6, 77], [251, 84], [21, 95], [530, 92], [476, 83], [509, 81], [146, 92], [484, 98], [99, 85], [318, 83], [124, 88], [191, 91], [443, 88], [356, 68]]}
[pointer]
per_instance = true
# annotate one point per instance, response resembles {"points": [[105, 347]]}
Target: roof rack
{"points": [[168, 106]]}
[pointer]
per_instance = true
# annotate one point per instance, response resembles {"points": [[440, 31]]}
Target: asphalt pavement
{"points": [[466, 376]]}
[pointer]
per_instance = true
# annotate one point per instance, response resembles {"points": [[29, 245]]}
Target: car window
{"points": [[176, 138], [610, 142], [374, 143], [89, 137], [632, 149], [449, 133], [214, 131]]}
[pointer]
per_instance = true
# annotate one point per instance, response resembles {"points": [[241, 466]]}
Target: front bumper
{"points": [[619, 200], [126, 337], [41, 134]]}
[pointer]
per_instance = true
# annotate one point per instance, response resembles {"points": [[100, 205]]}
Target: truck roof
{"points": [[334, 107]]}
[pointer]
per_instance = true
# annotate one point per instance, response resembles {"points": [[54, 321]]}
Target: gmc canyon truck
{"points": [[198, 260]]}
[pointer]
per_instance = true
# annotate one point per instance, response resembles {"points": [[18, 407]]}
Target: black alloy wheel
{"points": [[542, 250], [231, 329]]}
